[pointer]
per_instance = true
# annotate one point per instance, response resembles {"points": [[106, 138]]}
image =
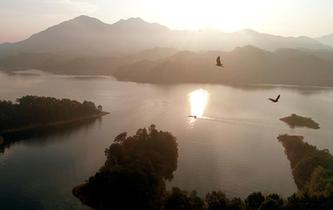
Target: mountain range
{"points": [[89, 36], [135, 50], [243, 65]]}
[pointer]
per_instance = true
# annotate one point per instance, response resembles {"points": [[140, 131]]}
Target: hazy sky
{"points": [[21, 18]]}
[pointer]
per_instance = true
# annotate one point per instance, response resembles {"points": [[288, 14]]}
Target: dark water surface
{"points": [[232, 146]]}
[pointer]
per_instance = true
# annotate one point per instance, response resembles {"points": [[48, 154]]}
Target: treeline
{"points": [[30, 110], [134, 175], [217, 200]]}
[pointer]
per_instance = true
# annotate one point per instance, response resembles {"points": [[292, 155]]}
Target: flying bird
{"points": [[275, 100], [218, 62]]}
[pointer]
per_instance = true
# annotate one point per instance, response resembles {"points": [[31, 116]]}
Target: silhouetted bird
{"points": [[275, 100], [218, 62], [194, 116]]}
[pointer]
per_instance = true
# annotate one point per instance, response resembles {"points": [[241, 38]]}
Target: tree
{"points": [[182, 200], [254, 200], [236, 204], [216, 200], [270, 204], [134, 174]]}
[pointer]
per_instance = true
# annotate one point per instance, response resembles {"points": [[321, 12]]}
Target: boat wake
{"points": [[237, 121]]}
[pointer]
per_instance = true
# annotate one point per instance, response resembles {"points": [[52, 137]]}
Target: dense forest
{"points": [[32, 110], [134, 175]]}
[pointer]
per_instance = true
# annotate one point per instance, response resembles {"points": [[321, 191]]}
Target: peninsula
{"points": [[312, 168], [34, 112]]}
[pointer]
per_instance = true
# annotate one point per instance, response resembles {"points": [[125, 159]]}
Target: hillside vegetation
{"points": [[31, 111]]}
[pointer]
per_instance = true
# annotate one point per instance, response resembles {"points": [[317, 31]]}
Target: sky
{"points": [[19, 19]]}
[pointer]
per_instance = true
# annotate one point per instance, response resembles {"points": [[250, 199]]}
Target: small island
{"points": [[295, 120], [36, 112]]}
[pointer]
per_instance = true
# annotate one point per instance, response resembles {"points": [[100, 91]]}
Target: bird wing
{"points": [[218, 60], [271, 99], [278, 97]]}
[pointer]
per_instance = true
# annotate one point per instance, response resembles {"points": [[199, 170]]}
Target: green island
{"points": [[37, 112], [137, 167], [295, 120]]}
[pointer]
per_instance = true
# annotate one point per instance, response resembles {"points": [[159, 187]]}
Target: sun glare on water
{"points": [[198, 101]]}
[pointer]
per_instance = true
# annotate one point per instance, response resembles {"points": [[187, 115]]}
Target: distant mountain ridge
{"points": [[244, 65], [328, 39], [89, 36]]}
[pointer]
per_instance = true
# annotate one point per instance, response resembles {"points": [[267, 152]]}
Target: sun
{"points": [[198, 101]]}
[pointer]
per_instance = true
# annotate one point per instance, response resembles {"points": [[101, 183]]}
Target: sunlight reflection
{"points": [[198, 101]]}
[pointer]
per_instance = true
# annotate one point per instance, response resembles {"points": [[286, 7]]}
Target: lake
{"points": [[231, 146]]}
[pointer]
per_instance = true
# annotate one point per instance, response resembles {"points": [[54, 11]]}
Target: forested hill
{"points": [[30, 111]]}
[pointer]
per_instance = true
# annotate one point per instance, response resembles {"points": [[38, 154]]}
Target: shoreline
{"points": [[139, 81], [51, 124]]}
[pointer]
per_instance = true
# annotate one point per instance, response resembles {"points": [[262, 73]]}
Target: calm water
{"points": [[232, 147]]}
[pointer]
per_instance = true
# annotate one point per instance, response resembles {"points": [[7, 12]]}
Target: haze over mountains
{"points": [[244, 65], [139, 51], [328, 39], [90, 36]]}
